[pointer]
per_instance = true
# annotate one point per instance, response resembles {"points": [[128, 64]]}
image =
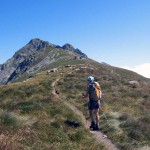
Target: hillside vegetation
{"points": [[126, 104], [32, 117]]}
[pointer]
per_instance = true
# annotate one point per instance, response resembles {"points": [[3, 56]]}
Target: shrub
{"points": [[9, 119], [26, 107], [124, 117]]}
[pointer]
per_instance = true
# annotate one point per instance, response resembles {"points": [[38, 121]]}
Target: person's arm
{"points": [[86, 94]]}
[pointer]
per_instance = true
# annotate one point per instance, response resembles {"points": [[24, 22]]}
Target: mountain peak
{"points": [[38, 44], [68, 46], [34, 56], [37, 41]]}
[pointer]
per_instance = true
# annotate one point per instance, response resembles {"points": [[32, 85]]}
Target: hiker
{"points": [[94, 102]]}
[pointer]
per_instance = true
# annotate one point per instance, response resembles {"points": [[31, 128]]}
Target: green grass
{"points": [[131, 130], [35, 119], [44, 116]]}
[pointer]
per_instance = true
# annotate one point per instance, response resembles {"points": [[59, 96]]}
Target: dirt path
{"points": [[54, 89], [99, 136]]}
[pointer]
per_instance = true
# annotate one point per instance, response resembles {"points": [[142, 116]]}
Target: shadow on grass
{"points": [[72, 124]]}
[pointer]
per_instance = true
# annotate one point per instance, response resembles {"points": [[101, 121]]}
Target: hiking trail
{"points": [[98, 135]]}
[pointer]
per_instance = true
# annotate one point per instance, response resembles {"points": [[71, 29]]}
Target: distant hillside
{"points": [[35, 56]]}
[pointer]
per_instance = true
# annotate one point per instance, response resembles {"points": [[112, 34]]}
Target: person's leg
{"points": [[97, 116], [91, 115], [96, 127], [96, 112]]}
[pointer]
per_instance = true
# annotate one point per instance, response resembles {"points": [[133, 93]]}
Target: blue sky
{"points": [[112, 31]]}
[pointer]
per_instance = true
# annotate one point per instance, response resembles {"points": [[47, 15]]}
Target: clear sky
{"points": [[113, 31]]}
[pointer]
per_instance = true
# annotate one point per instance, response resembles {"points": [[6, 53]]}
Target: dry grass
{"points": [[131, 129], [31, 118], [46, 128]]}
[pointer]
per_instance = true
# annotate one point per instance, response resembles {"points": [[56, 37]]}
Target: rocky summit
{"points": [[35, 56]]}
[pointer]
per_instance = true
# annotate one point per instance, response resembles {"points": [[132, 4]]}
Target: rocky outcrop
{"points": [[69, 47], [21, 60], [134, 83]]}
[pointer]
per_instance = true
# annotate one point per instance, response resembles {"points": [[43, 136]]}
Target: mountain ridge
{"points": [[36, 54]]}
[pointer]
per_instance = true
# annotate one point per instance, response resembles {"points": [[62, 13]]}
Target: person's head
{"points": [[90, 79]]}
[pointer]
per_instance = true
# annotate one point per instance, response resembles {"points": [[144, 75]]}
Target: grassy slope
{"points": [[126, 106], [32, 118]]}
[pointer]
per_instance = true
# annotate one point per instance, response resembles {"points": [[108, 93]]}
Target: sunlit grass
{"points": [[32, 118], [127, 130]]}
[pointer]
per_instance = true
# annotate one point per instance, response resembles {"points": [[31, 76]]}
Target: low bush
{"points": [[123, 117], [9, 119], [27, 107]]}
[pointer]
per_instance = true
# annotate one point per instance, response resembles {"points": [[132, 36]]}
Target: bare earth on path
{"points": [[98, 135]]}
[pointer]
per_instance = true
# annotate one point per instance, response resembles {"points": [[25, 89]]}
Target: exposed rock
{"points": [[34, 56], [38, 44], [52, 70], [71, 48], [134, 83], [68, 47], [57, 46]]}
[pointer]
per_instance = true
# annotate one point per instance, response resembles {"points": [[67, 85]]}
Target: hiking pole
{"points": [[105, 116]]}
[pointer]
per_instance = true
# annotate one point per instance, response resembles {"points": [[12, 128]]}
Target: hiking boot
{"points": [[96, 128], [92, 125]]}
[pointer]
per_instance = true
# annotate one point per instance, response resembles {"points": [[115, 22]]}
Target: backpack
{"points": [[95, 91]]}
